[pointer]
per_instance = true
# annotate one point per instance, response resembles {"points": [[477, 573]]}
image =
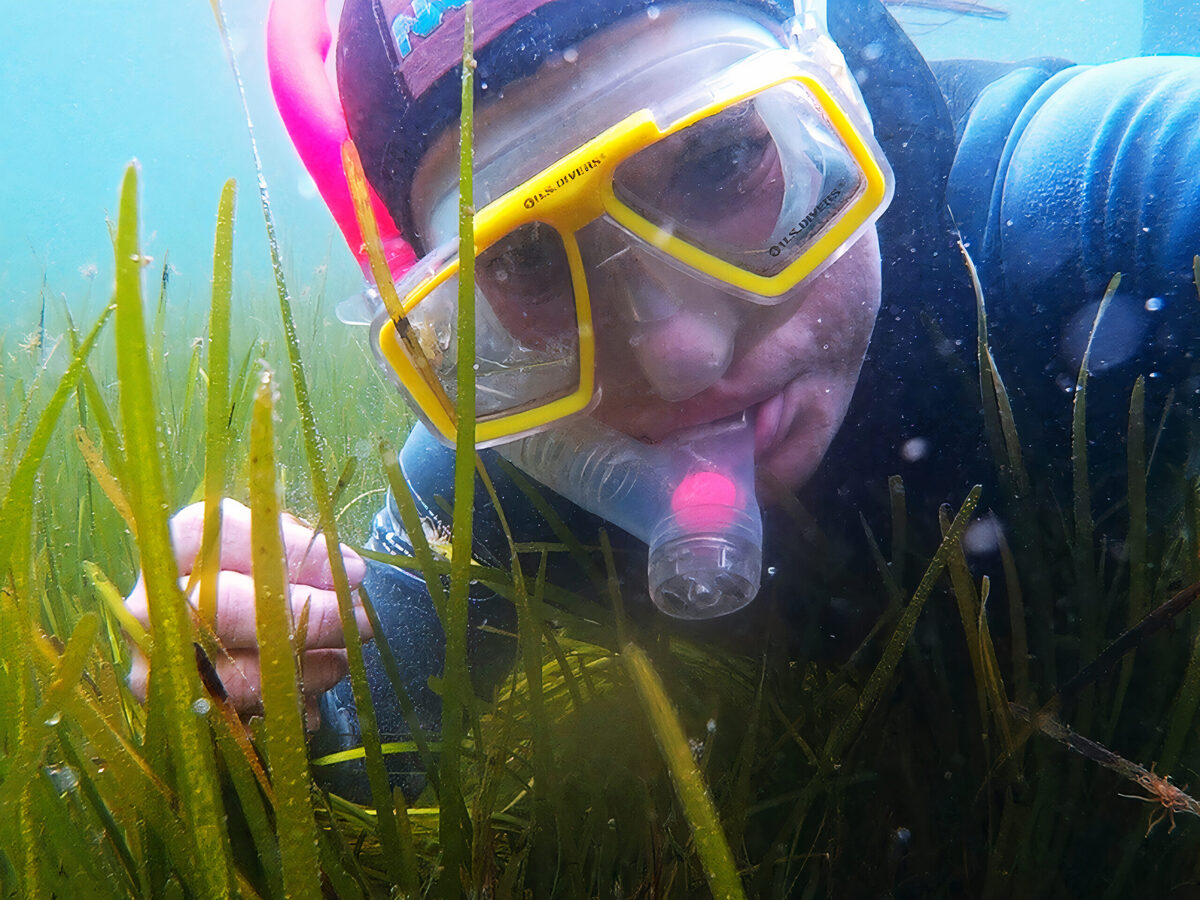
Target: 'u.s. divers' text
{"points": [[800, 227], [566, 178]]}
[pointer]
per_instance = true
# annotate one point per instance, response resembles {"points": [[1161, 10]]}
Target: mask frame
{"points": [[578, 188]]}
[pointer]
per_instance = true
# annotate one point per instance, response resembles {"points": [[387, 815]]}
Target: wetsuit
{"points": [[1057, 176]]}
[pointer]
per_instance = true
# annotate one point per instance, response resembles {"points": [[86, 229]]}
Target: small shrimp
{"points": [[1172, 798], [1161, 790]]}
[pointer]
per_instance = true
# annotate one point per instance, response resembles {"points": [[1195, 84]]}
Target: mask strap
{"points": [[298, 44], [811, 14], [809, 36]]}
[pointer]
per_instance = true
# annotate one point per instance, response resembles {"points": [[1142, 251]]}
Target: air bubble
{"points": [[1154, 304], [983, 536], [914, 449], [570, 55], [653, 12], [201, 706], [54, 720], [64, 778]]}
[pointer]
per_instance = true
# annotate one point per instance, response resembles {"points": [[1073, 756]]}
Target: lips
{"points": [[768, 417], [773, 416]]}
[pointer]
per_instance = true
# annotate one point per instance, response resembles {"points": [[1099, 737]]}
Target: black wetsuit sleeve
{"points": [[415, 638], [1060, 182], [1097, 171]]}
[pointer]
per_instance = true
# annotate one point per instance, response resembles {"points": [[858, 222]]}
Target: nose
{"points": [[680, 331], [687, 351]]}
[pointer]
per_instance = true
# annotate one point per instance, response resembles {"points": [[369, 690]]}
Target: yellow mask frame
{"points": [[578, 188]]}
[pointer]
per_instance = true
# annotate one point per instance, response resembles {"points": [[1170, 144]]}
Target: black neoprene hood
{"points": [[399, 80]]}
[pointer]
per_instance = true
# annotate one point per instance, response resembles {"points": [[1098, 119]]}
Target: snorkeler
{"points": [[716, 239]]}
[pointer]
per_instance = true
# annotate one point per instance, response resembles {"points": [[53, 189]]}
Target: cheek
{"points": [[836, 317], [826, 326], [844, 302]]}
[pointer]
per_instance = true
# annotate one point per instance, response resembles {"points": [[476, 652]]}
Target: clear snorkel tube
{"points": [[689, 497]]}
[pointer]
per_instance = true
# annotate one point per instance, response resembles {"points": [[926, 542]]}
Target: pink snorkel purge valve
{"points": [[690, 497], [298, 43]]}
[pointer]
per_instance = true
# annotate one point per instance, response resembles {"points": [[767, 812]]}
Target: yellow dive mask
{"points": [[750, 180]]}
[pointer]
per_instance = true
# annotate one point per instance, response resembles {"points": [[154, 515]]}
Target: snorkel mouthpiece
{"points": [[706, 554], [689, 497]]}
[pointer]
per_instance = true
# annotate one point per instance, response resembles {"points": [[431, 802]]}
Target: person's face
{"points": [[794, 364], [674, 350]]}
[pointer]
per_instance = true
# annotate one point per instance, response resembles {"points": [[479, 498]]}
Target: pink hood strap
{"points": [[298, 42]]}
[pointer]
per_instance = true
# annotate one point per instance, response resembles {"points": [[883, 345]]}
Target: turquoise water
{"points": [[149, 80]]}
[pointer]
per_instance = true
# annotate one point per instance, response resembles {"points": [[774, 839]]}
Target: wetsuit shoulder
{"points": [[1061, 181]]}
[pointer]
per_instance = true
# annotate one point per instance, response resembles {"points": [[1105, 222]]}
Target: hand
{"points": [[310, 583]]}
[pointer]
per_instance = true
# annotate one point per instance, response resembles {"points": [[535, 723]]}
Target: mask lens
{"points": [[755, 184], [526, 329]]}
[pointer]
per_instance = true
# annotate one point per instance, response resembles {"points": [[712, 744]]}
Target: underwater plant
{"points": [[616, 757]]}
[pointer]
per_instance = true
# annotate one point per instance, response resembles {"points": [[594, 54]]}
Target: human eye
{"points": [[723, 165], [719, 182], [716, 158], [528, 266]]}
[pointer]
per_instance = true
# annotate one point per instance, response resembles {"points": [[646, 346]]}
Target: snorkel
{"points": [[299, 40], [690, 498]]}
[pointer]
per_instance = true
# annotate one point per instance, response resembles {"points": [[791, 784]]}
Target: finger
{"points": [[236, 624], [324, 620], [308, 557], [322, 669], [241, 673], [136, 602], [187, 533], [312, 714], [139, 674], [296, 520], [307, 554]]}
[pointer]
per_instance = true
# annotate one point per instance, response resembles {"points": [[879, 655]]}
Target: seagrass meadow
{"points": [[980, 740], [617, 760]]}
